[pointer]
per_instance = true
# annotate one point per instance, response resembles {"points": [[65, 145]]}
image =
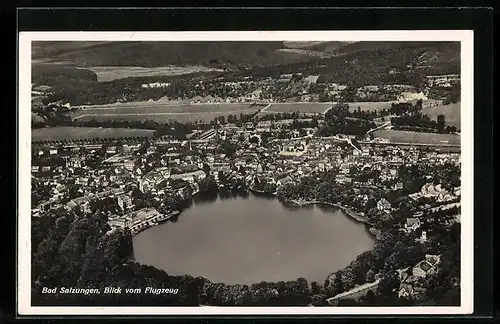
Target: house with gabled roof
{"points": [[426, 266], [412, 223], [383, 204]]}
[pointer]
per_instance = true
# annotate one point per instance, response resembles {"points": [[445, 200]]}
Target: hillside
{"points": [[46, 49], [53, 74], [329, 48], [366, 63], [155, 54]]}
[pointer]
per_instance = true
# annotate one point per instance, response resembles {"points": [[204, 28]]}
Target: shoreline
{"points": [[299, 203], [345, 209]]}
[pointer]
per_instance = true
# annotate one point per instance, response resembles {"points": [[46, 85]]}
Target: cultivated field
{"points": [[162, 112], [396, 136], [451, 113], [110, 73], [74, 133]]}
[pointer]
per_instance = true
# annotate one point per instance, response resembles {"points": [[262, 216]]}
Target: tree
{"points": [[441, 123], [208, 185], [337, 285], [254, 140], [369, 298], [315, 288], [206, 169], [228, 148], [323, 192], [269, 188], [319, 300], [370, 276], [348, 278], [388, 284]]}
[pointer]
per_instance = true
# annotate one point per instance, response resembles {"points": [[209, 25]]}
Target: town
{"points": [[139, 185], [370, 131]]}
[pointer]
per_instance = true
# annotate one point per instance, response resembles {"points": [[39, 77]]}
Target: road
{"points": [[387, 123]]}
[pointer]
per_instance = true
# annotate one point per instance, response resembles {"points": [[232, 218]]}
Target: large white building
{"points": [[445, 79]]}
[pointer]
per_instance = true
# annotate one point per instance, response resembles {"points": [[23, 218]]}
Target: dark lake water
{"points": [[245, 240]]}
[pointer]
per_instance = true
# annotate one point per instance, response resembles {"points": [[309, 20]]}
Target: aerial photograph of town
{"points": [[246, 173]]}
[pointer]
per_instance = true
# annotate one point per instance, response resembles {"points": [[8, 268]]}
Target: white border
{"points": [[24, 172]]}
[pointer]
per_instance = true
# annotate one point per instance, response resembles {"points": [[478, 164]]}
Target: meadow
{"points": [[110, 73], [396, 136], [301, 107], [76, 133], [321, 107], [162, 112], [451, 113]]}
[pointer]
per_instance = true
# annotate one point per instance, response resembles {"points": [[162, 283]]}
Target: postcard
{"points": [[252, 172]]}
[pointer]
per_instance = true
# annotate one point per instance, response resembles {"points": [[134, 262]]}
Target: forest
{"points": [[338, 120]]}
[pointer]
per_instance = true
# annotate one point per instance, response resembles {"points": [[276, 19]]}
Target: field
{"points": [[451, 113], [301, 107], [162, 112], [321, 107], [110, 73], [396, 136], [74, 133]]}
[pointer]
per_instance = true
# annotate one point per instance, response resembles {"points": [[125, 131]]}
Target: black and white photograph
{"points": [[246, 172]]}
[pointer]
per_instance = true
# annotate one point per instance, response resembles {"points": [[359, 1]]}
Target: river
{"points": [[249, 239]]}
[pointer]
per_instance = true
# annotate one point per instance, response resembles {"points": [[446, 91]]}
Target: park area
{"points": [[396, 136], [162, 112], [77, 133]]}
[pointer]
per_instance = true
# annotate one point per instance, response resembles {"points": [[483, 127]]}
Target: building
{"points": [[340, 178], [445, 79], [383, 204], [412, 224], [155, 85], [111, 150], [124, 201], [82, 202], [409, 287], [427, 266], [284, 181], [190, 177], [423, 237]]}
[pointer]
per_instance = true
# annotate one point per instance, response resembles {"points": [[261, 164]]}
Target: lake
{"points": [[245, 240]]}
